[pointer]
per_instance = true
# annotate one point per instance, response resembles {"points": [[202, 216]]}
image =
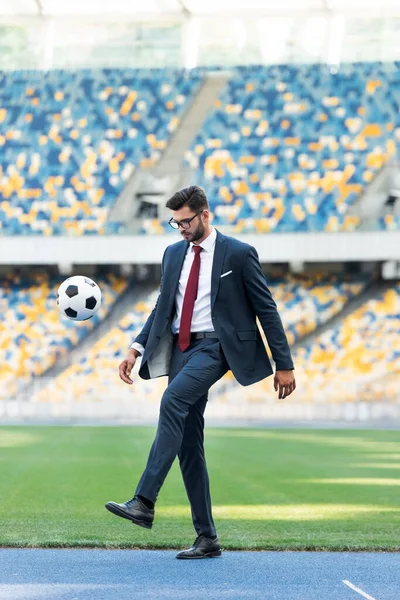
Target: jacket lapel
{"points": [[219, 255]]}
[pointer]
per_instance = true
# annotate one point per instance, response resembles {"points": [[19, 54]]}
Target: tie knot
{"points": [[197, 249]]}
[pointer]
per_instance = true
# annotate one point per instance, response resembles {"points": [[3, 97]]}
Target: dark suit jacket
{"points": [[236, 300]]}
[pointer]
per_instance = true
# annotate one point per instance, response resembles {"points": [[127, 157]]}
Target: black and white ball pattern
{"points": [[79, 298]]}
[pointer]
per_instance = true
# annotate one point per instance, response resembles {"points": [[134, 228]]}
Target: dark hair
{"points": [[193, 196]]}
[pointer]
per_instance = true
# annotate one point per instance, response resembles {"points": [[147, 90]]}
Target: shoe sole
{"points": [[214, 554], [120, 513]]}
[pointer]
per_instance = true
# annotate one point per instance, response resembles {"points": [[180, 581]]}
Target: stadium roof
{"points": [[136, 8]]}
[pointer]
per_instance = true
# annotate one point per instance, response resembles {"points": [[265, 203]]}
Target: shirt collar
{"points": [[209, 243]]}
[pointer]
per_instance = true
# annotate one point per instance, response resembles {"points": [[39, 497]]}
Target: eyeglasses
{"points": [[185, 223]]}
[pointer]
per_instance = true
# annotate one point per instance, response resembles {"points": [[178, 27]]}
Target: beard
{"points": [[197, 234]]}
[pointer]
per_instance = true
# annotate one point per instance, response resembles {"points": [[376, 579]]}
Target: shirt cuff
{"points": [[138, 347]]}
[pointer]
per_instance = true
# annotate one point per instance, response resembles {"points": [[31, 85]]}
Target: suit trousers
{"points": [[180, 428]]}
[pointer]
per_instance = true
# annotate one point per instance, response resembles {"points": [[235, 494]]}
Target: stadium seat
{"points": [[286, 147], [70, 140], [95, 375], [388, 222], [306, 302], [354, 359], [291, 147], [357, 360], [32, 333]]}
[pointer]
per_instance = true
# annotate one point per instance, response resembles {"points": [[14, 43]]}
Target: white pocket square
{"points": [[225, 274]]}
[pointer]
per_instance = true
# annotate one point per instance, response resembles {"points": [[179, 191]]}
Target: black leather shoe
{"points": [[203, 547], [134, 510]]}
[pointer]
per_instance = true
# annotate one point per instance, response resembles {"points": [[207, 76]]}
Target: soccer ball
{"points": [[78, 298]]}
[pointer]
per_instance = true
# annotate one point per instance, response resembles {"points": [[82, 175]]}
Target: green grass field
{"points": [[271, 489]]}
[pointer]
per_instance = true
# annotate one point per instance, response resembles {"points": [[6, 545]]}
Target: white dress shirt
{"points": [[201, 319]]}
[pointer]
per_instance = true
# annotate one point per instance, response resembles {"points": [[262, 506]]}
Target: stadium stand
{"points": [[69, 141], [286, 148], [303, 302], [389, 222], [95, 375], [306, 302], [291, 147], [357, 360], [32, 333]]}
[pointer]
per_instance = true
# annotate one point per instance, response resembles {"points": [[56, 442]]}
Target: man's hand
{"points": [[127, 365], [285, 381]]}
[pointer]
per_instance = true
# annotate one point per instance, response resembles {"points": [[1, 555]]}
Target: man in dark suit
{"points": [[203, 324]]}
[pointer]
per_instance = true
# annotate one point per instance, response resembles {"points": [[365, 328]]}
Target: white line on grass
{"points": [[356, 589]]}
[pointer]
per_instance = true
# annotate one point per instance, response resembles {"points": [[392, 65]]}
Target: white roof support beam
{"points": [[39, 7]]}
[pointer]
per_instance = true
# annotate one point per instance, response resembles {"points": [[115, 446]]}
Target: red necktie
{"points": [[189, 300]]}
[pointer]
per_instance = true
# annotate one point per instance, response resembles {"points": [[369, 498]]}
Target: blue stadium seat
{"points": [[291, 147], [69, 141], [33, 335]]}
